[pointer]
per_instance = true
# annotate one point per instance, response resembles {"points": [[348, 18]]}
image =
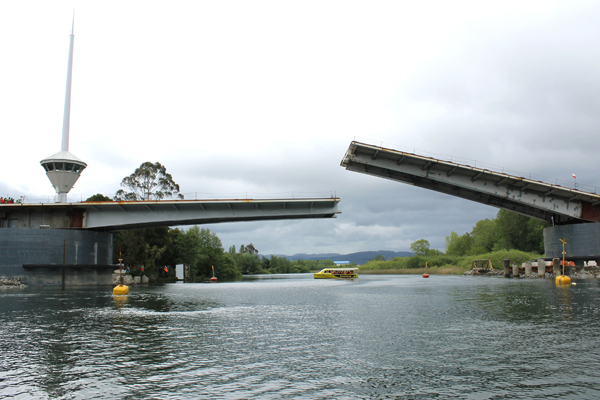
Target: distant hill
{"points": [[360, 257]]}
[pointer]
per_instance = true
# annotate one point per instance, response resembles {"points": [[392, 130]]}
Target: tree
{"points": [[485, 236], [98, 197], [188, 247], [248, 263], [516, 231], [201, 250], [226, 268], [458, 245], [420, 247], [148, 182], [148, 247], [379, 257], [250, 249]]}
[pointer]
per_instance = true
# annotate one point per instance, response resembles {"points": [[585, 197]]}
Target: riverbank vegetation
{"points": [[444, 264], [508, 236], [148, 251], [156, 252]]}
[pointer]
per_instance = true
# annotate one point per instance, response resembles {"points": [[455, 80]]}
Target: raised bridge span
{"points": [[573, 213]]}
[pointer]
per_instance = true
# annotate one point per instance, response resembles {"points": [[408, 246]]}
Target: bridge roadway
{"points": [[114, 216], [72, 243], [555, 204]]}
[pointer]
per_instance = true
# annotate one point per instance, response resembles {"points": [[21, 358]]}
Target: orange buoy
{"points": [[425, 275], [213, 279]]}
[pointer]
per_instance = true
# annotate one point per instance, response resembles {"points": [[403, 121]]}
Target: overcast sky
{"points": [[262, 99]]}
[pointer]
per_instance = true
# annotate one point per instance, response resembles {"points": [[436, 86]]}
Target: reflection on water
{"points": [[296, 337]]}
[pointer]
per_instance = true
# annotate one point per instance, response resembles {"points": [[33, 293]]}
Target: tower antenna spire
{"points": [[67, 112]]}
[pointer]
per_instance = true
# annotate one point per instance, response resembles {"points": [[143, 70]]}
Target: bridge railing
{"points": [[79, 197], [571, 184]]}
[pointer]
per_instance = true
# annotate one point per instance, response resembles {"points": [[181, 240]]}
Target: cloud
{"points": [[262, 99]]}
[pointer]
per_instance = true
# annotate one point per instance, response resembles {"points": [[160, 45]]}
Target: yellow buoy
{"points": [[563, 279], [121, 289]]}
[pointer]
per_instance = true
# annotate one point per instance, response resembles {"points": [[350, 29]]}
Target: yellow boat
{"points": [[336, 272]]}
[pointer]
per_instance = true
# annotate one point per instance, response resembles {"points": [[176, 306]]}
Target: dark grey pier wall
{"points": [[56, 256], [583, 240]]}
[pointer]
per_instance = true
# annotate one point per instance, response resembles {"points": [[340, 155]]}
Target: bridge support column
{"points": [[583, 240], [541, 268], [515, 270], [527, 269], [506, 263], [556, 268]]}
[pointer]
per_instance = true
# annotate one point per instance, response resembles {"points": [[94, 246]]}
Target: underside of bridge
{"points": [[552, 203]]}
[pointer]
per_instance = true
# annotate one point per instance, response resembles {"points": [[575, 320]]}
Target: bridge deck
{"points": [[113, 216], [552, 203]]}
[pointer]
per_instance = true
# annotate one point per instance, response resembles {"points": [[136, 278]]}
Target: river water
{"points": [[294, 337]]}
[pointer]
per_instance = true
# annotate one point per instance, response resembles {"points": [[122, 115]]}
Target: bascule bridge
{"points": [[573, 214]]}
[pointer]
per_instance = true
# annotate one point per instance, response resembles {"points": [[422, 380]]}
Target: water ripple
{"points": [[382, 337]]}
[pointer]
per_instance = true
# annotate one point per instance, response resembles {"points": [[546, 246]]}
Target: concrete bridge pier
{"points": [[515, 271], [541, 267], [582, 240], [556, 268], [528, 269], [506, 263]]}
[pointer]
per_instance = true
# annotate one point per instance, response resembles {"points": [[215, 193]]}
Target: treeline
{"points": [[454, 264], [509, 235], [508, 231], [149, 251]]}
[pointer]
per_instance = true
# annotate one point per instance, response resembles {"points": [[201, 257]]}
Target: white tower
{"points": [[63, 168]]}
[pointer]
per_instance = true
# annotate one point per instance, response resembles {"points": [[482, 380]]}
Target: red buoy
{"points": [[425, 275], [213, 279]]}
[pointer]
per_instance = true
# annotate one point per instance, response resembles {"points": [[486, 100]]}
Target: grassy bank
{"points": [[443, 264], [415, 271]]}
